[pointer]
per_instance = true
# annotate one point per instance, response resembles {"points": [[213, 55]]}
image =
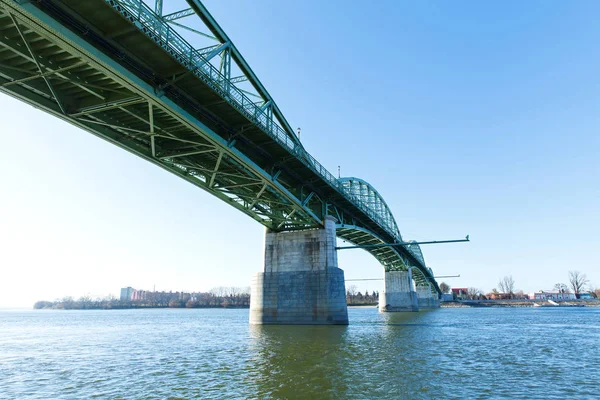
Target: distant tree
{"points": [[444, 287], [85, 301], [68, 303], [507, 285], [351, 294], [473, 293], [234, 295], [577, 281], [42, 304], [174, 303], [561, 288], [191, 304]]}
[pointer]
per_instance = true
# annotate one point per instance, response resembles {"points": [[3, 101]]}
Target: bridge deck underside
{"points": [[44, 71], [88, 64], [392, 258]]}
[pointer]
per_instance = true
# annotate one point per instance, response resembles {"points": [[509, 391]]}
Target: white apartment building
{"points": [[550, 295]]}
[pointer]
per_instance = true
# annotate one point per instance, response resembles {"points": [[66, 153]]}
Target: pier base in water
{"points": [[301, 283], [426, 298], [398, 293]]}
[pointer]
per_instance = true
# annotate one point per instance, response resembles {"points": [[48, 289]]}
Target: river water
{"points": [[213, 353]]}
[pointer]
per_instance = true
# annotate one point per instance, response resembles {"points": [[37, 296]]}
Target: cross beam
{"points": [[370, 246]]}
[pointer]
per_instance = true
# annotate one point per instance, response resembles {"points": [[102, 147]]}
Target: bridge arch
{"points": [[369, 198], [391, 258]]}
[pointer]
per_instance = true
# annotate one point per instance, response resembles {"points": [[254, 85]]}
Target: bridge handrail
{"points": [[170, 40]]}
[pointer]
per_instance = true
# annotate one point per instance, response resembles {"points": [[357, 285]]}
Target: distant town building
{"points": [[499, 296], [551, 295], [460, 293], [585, 296], [127, 293], [139, 295]]}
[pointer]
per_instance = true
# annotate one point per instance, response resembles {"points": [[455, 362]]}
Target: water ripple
{"points": [[200, 354]]}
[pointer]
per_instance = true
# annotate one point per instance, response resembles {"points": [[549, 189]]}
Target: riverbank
{"points": [[132, 305], [129, 307], [124, 305], [518, 303]]}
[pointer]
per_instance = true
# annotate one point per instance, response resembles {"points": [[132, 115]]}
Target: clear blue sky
{"points": [[469, 117]]}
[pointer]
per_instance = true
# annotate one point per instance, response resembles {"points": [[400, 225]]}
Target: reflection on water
{"points": [[214, 354], [400, 318], [298, 359]]}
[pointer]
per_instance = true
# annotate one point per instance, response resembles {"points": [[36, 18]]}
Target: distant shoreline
{"points": [[61, 306], [518, 304], [137, 308], [172, 308], [444, 304]]}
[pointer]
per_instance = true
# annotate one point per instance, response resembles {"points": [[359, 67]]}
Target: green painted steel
{"points": [[401, 243], [123, 71]]}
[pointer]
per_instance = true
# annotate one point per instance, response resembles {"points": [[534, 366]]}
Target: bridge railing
{"points": [[169, 39], [141, 15]]}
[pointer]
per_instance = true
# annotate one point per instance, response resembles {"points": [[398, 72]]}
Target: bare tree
{"points": [[110, 297], [85, 301], [507, 285], [351, 293], [561, 288], [473, 292], [444, 287], [577, 281], [594, 291]]}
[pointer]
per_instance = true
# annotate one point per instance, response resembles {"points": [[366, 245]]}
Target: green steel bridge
{"points": [[127, 71]]}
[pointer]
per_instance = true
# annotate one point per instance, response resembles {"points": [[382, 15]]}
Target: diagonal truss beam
{"points": [[17, 49], [214, 174], [39, 67], [178, 14], [197, 32], [220, 34], [108, 106], [138, 130], [42, 75]]}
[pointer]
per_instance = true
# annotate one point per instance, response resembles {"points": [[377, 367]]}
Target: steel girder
{"points": [[70, 68], [371, 200], [265, 115], [42, 68], [392, 258]]}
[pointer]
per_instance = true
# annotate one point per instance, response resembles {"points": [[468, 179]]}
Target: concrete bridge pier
{"points": [[398, 293], [301, 282], [426, 298]]}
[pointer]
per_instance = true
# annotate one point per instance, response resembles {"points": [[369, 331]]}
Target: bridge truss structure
{"points": [[170, 87]]}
